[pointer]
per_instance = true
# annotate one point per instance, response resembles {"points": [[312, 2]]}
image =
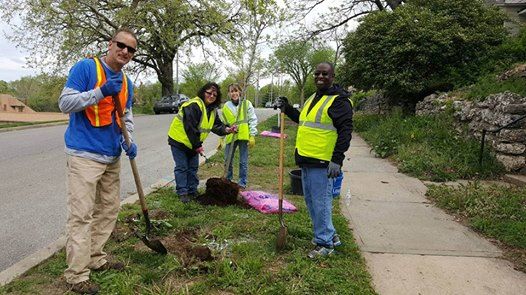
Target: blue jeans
{"points": [[317, 189], [243, 161], [185, 172]]}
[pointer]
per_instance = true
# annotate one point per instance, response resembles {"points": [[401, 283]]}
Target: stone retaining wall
{"points": [[492, 113]]}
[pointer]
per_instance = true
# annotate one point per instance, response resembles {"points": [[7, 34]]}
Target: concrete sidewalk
{"points": [[411, 246]]}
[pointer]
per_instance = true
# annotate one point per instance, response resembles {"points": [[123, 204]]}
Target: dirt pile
{"points": [[220, 192]]}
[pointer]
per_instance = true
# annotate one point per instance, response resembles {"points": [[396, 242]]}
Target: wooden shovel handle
{"points": [[135, 171], [281, 160]]}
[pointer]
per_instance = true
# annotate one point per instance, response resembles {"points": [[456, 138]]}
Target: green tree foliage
{"points": [[298, 59], [422, 46], [197, 75], [40, 92], [5, 88], [62, 31], [145, 95], [513, 50]]}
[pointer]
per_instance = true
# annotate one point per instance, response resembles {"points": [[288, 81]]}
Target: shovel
{"points": [[282, 234], [153, 244]]}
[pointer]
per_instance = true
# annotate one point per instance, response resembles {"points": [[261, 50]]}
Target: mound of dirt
{"points": [[220, 192]]}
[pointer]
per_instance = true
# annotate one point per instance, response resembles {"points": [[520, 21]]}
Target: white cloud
{"points": [[12, 59]]}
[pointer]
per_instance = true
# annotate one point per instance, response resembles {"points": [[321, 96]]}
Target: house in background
{"points": [[10, 104], [515, 10]]}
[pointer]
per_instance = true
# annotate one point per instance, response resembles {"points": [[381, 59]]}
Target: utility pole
{"points": [[256, 99], [177, 72]]}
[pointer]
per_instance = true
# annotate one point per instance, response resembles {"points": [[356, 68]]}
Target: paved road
{"points": [[33, 187]]}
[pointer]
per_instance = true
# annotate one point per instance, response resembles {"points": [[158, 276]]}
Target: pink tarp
{"points": [[266, 203], [271, 134]]}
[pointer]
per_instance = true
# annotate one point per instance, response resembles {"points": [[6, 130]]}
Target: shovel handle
{"points": [[281, 164], [135, 171]]}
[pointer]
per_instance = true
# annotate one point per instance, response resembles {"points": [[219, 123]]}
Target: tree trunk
{"points": [[302, 95], [166, 78], [393, 4]]}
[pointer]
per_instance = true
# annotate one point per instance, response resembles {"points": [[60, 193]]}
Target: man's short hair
{"points": [[330, 64], [124, 30]]}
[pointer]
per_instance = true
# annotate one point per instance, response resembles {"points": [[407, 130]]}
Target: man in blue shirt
{"points": [[93, 148]]}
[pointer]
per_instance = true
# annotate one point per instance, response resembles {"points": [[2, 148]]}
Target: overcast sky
{"points": [[13, 65], [12, 59]]}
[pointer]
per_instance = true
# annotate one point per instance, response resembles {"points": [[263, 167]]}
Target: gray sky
{"points": [[12, 59], [13, 65]]}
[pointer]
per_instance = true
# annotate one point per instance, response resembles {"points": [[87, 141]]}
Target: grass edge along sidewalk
{"points": [[241, 241]]}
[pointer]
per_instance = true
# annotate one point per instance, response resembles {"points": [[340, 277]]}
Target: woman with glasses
{"points": [[189, 129]]}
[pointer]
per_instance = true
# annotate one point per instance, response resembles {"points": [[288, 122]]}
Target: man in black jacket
{"points": [[324, 135]]}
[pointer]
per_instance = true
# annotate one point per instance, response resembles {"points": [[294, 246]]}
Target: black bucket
{"points": [[295, 182]]}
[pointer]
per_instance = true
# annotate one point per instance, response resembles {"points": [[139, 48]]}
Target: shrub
{"points": [[422, 46]]}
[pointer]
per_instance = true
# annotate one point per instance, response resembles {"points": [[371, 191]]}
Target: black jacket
{"points": [[191, 118], [341, 114]]}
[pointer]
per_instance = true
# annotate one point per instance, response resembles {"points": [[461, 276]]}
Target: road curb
{"points": [[32, 126], [36, 258]]}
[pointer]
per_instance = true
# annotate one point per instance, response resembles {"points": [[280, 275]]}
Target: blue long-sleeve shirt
{"points": [[101, 144]]}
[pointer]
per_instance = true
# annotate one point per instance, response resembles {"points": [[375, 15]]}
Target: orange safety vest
{"points": [[99, 114]]}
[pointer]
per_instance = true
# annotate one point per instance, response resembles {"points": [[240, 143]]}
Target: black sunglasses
{"points": [[324, 74], [211, 93], [122, 46]]}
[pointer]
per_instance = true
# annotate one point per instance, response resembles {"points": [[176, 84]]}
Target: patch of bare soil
{"points": [[159, 214], [220, 192], [183, 245]]}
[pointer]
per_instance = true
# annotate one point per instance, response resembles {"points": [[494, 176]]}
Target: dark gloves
{"points": [[281, 103], [131, 151], [111, 87], [231, 129], [333, 170]]}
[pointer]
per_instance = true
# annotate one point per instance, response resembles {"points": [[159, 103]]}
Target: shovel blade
{"points": [[281, 240], [153, 244]]}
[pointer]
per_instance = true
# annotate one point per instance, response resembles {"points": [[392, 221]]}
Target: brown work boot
{"points": [[85, 287], [115, 265]]}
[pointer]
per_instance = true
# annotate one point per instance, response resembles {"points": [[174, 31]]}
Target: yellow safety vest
{"points": [[177, 132], [242, 122], [316, 137]]}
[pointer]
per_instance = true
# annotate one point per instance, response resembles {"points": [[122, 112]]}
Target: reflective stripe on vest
{"points": [[242, 122], [100, 114], [316, 137], [177, 132]]}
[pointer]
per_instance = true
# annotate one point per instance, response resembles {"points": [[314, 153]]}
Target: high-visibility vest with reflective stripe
{"points": [[177, 132], [316, 137], [99, 115], [242, 122]]}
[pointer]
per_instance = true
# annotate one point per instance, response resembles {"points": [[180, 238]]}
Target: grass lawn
{"points": [[496, 211], [427, 147], [241, 240]]}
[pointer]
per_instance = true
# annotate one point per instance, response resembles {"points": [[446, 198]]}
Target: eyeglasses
{"points": [[211, 93], [122, 46], [324, 74]]}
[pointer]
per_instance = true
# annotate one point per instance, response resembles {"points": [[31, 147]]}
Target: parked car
{"points": [[169, 104], [269, 104], [296, 106]]}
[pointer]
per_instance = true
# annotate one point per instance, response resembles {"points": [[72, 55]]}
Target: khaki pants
{"points": [[93, 205]]}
